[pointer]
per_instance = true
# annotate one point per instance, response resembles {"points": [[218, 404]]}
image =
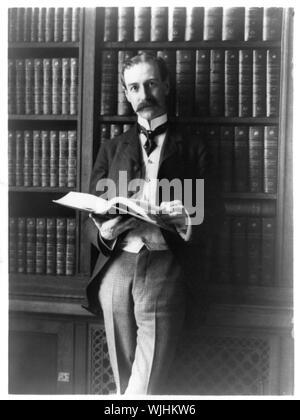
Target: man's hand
{"points": [[173, 213], [112, 228]]}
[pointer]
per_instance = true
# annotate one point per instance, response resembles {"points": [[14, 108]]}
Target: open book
{"points": [[114, 207]]}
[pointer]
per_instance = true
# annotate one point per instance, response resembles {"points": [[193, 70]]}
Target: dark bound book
{"points": [[212, 134], [254, 229], [67, 25], [223, 266], [142, 24], [34, 24], [273, 82], [234, 24], [185, 82], [19, 158], [239, 250], [27, 24], [45, 164], [124, 107], [12, 24], [37, 158], [76, 13], [259, 83], [253, 208], [74, 86], [41, 236], [29, 86], [61, 234], [245, 83], [72, 159], [109, 83], [47, 86], [268, 251], [21, 246], [110, 24], [20, 86], [28, 158], [11, 87], [13, 244], [213, 19], [159, 24], [11, 158], [241, 159], [63, 159], [20, 24], [125, 24], [30, 245], [226, 157], [177, 23], [194, 24], [49, 26], [56, 86], [217, 83], [58, 24], [202, 81], [231, 83], [272, 25], [66, 84], [51, 246], [38, 86], [104, 134], [256, 159], [42, 24], [169, 57], [71, 247], [254, 23], [116, 130], [270, 159], [54, 158]]}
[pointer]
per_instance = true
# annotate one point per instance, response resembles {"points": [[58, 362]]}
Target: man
{"points": [[143, 272]]}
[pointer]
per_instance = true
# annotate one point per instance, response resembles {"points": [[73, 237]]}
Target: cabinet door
{"points": [[40, 356]]}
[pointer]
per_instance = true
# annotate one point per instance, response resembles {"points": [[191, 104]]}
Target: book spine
{"points": [[239, 250], [125, 24], [109, 83], [54, 158], [169, 57], [159, 24], [268, 251], [273, 82], [13, 244], [226, 158], [256, 159], [37, 156], [213, 20], [272, 24], [185, 79], [63, 159], [28, 159], [19, 158], [194, 24], [202, 80], [241, 159], [223, 266], [72, 159], [71, 247], [259, 83], [76, 13], [11, 87], [74, 86], [233, 24], [217, 83], [61, 233], [12, 24], [45, 163], [212, 134], [11, 158], [47, 86], [124, 107], [66, 82], [67, 25], [245, 83], [51, 246], [21, 246], [254, 228], [38, 86], [34, 24], [177, 23], [142, 23], [27, 24], [253, 208], [104, 133], [20, 24], [41, 245], [231, 83], [254, 23], [20, 86], [49, 24], [58, 24], [42, 25], [29, 86], [116, 130], [270, 159], [30, 245], [126, 127], [56, 86], [110, 24]]}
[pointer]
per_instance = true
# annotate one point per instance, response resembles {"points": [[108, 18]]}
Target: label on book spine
{"points": [[245, 83], [273, 82], [256, 157], [231, 83], [259, 83], [270, 159]]}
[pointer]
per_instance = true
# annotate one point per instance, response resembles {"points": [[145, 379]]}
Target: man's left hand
{"points": [[173, 213]]}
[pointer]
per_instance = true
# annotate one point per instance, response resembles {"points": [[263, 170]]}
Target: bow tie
{"points": [[150, 144]]}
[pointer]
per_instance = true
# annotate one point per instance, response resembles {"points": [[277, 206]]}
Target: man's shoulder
{"points": [[189, 137], [120, 139]]}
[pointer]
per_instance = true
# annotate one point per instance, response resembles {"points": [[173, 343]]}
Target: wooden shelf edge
{"points": [[42, 118], [40, 190], [43, 45]]}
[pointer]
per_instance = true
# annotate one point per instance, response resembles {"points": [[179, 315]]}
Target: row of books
{"points": [[42, 158], [191, 24], [246, 157], [46, 86], [42, 246], [216, 82], [245, 252], [44, 24]]}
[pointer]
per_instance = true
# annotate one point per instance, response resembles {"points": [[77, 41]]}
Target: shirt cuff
{"points": [[186, 231]]}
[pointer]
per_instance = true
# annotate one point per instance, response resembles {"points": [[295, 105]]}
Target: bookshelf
{"points": [[242, 303]]}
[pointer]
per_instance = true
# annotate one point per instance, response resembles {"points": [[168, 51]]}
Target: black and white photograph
{"points": [[149, 180]]}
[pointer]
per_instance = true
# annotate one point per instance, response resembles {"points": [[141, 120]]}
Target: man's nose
{"points": [[144, 92]]}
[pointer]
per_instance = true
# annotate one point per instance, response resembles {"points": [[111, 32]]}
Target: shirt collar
{"points": [[152, 125]]}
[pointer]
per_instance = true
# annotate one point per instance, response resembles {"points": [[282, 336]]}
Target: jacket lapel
{"points": [[172, 146]]}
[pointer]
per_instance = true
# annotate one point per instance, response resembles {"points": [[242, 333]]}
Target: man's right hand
{"points": [[111, 229]]}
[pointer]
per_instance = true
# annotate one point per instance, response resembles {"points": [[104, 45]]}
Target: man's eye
{"points": [[133, 88], [152, 84]]}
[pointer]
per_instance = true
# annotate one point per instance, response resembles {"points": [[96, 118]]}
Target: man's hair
{"points": [[144, 57]]}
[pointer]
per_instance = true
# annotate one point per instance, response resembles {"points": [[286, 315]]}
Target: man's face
{"points": [[146, 91]]}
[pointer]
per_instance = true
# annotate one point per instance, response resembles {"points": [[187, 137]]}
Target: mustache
{"points": [[147, 104]]}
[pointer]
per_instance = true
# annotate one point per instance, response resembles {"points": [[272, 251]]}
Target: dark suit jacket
{"points": [[183, 157]]}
